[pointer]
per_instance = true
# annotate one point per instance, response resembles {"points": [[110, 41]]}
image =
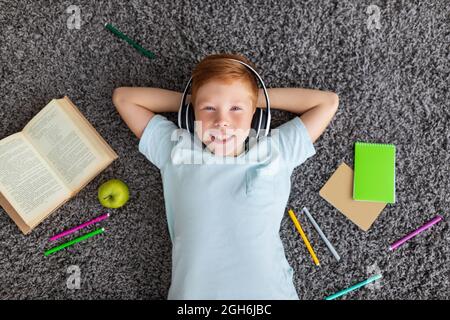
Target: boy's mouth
{"points": [[221, 139]]}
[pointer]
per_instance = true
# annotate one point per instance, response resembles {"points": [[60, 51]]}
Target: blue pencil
{"points": [[356, 286], [321, 234]]}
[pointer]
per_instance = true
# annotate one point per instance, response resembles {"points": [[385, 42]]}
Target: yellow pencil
{"points": [[303, 235]]}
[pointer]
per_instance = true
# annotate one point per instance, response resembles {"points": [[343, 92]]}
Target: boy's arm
{"points": [[137, 106], [316, 107]]}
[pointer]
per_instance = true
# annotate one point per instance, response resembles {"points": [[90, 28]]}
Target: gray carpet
{"points": [[393, 87]]}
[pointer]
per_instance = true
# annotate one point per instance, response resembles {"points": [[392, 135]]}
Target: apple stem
{"points": [[107, 197]]}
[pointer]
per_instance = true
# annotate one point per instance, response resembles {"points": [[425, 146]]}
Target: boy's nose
{"points": [[221, 122]]}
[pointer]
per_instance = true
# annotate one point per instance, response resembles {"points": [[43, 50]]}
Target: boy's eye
{"points": [[234, 108]]}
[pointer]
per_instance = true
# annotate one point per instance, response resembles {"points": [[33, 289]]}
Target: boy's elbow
{"points": [[333, 104], [334, 101], [118, 96]]}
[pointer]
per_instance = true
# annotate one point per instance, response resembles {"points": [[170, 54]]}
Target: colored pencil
{"points": [[72, 242], [305, 239], [426, 226], [356, 286], [133, 43], [322, 235], [67, 232]]}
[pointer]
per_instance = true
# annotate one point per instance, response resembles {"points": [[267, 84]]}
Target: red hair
{"points": [[218, 67]]}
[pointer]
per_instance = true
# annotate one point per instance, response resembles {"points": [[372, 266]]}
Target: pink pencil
{"points": [[427, 225], [65, 233]]}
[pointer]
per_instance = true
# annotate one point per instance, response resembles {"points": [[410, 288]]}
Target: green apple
{"points": [[113, 193]]}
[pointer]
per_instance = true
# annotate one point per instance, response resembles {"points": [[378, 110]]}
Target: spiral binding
{"points": [[390, 145]]}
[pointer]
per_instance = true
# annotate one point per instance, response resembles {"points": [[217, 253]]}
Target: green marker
{"points": [[71, 242], [356, 286], [119, 34]]}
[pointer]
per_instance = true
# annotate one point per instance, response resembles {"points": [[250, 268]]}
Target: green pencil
{"points": [[71, 242], [119, 34]]}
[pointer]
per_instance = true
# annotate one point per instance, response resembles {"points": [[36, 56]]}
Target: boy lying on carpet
{"points": [[224, 216]]}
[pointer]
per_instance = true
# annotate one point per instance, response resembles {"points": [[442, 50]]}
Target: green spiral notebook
{"points": [[374, 177]]}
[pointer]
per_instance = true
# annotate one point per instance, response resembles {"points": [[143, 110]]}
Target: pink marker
{"points": [[426, 226], [67, 232]]}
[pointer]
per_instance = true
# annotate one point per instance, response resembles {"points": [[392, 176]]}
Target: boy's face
{"points": [[224, 113]]}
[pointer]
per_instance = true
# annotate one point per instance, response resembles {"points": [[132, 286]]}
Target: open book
{"points": [[41, 167]]}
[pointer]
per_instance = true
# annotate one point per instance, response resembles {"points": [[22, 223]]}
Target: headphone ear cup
{"points": [[182, 117], [255, 122], [190, 117], [259, 122], [264, 125]]}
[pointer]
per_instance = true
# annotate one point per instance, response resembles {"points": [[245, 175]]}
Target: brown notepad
{"points": [[41, 167], [338, 191]]}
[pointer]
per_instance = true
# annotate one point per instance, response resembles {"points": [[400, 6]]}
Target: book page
{"points": [[67, 150], [26, 180]]}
